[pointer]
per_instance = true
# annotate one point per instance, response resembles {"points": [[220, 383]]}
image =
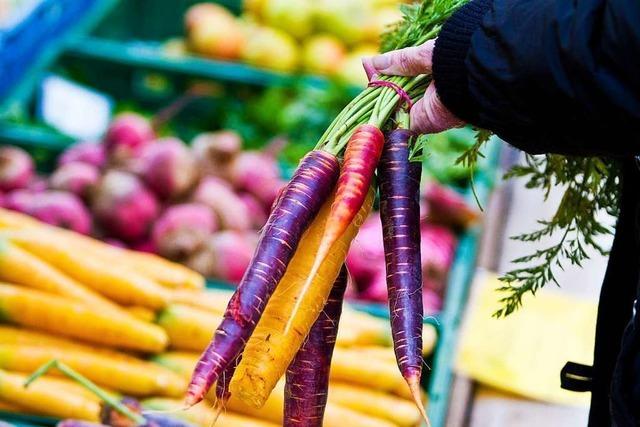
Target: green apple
{"points": [[217, 36], [271, 48], [204, 11], [323, 54], [293, 16], [346, 19]]}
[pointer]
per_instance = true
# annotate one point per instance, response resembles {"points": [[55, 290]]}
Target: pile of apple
{"points": [[327, 37], [201, 204]]}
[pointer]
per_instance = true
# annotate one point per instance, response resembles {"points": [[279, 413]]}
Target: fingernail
{"points": [[369, 69], [381, 62]]}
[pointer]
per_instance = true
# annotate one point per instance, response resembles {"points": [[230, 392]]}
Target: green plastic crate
{"points": [[49, 51], [133, 33]]}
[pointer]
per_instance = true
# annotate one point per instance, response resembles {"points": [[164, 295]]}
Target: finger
{"points": [[369, 69], [429, 114], [409, 61]]}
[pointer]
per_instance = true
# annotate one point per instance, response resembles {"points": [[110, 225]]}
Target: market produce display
{"points": [[203, 205], [289, 280], [327, 37], [135, 330], [148, 351], [200, 204]]}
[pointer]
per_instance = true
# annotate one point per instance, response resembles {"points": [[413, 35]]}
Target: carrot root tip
{"points": [[219, 407], [414, 387]]}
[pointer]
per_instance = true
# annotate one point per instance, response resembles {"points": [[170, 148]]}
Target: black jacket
{"points": [[563, 76]]}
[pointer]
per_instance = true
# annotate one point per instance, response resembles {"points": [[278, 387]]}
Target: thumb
{"points": [[409, 61], [429, 114]]}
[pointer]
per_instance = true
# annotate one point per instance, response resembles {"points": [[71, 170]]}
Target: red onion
{"points": [[216, 150], [38, 184], [16, 168], [225, 256], [437, 251], [77, 178], [144, 246], [124, 206], [62, 210], [19, 200], [445, 206], [218, 195], [257, 213], [169, 168], [258, 174], [91, 153], [127, 136], [366, 255], [181, 229]]}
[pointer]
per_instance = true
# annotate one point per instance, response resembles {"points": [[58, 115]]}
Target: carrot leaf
{"points": [[86, 383], [591, 188]]}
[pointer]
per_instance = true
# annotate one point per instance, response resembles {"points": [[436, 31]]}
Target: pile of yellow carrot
{"points": [[135, 325]]}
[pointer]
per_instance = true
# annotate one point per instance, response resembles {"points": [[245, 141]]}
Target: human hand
{"points": [[428, 115]]}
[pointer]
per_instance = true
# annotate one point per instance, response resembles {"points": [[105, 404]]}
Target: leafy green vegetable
{"points": [[421, 22], [591, 187]]}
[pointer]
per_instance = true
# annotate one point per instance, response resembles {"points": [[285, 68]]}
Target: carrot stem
{"points": [[86, 383]]}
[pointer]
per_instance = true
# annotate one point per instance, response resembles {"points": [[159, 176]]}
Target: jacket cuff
{"points": [[449, 56]]}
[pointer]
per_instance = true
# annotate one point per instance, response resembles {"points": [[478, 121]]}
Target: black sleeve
{"points": [[546, 75]]}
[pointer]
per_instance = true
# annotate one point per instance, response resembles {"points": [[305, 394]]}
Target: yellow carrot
{"points": [[51, 313], [359, 328], [48, 397], [385, 354], [335, 415], [188, 328], [375, 403], [180, 362], [340, 416], [211, 300], [21, 267], [108, 278], [10, 335], [203, 414], [274, 344], [11, 407], [15, 220], [163, 271], [141, 313], [133, 376], [378, 374], [272, 409]]}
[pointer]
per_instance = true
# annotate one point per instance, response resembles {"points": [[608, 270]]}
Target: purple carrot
{"points": [[222, 392], [297, 206], [307, 379], [399, 181], [73, 423]]}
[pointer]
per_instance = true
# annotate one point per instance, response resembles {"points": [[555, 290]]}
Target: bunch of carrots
{"points": [[134, 324], [283, 317]]}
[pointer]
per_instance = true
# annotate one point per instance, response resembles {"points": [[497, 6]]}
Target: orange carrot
{"points": [[272, 346], [360, 160]]}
